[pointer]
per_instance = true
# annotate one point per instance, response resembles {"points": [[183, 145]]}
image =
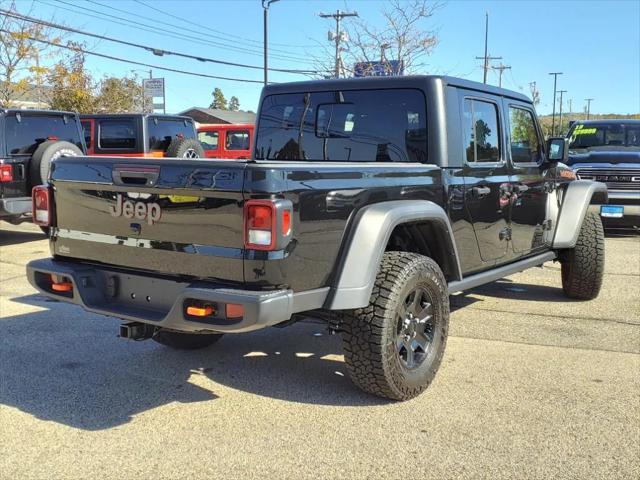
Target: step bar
{"points": [[497, 273]]}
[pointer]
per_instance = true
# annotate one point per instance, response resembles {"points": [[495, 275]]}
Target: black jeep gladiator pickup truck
{"points": [[29, 141], [366, 203]]}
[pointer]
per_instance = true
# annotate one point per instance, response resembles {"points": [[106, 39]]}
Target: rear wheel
{"points": [[185, 341], [394, 346], [583, 265], [185, 148]]}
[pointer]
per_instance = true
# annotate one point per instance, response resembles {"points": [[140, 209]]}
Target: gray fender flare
{"points": [[365, 246], [575, 202]]}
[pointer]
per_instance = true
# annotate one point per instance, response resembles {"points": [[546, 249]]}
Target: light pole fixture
{"points": [[265, 9]]}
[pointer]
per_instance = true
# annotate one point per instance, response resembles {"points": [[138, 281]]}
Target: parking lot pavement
{"points": [[532, 386]]}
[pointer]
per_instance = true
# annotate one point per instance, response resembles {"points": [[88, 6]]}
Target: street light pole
{"points": [[265, 14], [553, 119]]}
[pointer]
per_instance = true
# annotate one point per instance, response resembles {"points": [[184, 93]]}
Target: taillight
{"points": [[260, 224], [41, 202], [6, 173], [267, 224]]}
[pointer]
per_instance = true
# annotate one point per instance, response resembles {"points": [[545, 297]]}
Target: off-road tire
{"points": [[40, 164], [185, 148], [185, 341], [370, 333], [583, 265]]}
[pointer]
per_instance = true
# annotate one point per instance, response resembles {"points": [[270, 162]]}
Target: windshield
{"points": [[23, 132], [163, 130], [356, 126], [593, 136]]}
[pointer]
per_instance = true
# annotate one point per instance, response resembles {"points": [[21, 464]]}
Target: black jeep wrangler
{"points": [[29, 141], [367, 203]]}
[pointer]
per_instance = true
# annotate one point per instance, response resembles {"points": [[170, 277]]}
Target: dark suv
{"points": [[141, 135], [609, 151], [29, 141]]}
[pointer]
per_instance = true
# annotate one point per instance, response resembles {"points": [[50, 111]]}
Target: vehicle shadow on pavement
{"points": [[61, 364], [13, 237], [511, 290]]}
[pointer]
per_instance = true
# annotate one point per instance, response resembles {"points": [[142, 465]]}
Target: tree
{"points": [[234, 104], [119, 95], [219, 102], [72, 86], [20, 55], [404, 37]]}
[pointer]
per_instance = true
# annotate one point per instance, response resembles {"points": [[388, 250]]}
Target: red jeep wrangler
{"points": [[140, 135], [226, 140]]}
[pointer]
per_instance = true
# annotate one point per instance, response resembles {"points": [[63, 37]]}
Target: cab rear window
{"points": [[163, 130], [23, 133], [346, 126]]}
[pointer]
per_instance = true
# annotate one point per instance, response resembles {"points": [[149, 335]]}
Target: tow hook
{"points": [[136, 331]]}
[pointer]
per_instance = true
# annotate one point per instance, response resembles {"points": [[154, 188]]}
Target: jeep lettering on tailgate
{"points": [[128, 209]]}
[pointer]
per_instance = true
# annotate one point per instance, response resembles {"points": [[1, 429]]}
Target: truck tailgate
{"points": [[166, 216]]}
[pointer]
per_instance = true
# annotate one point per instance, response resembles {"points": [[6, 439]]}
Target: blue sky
{"points": [[595, 43]]}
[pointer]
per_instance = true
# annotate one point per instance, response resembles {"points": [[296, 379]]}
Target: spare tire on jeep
{"points": [[185, 148], [46, 152]]}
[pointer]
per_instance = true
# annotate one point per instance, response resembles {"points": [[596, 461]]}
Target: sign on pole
{"points": [[154, 88]]}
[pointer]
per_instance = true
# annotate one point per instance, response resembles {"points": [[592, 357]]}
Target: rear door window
{"points": [[23, 132], [480, 130], [162, 131], [208, 140], [346, 126], [524, 140], [117, 133], [237, 140]]}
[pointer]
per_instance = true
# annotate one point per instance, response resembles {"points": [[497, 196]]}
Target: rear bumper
{"points": [[162, 302], [15, 207]]}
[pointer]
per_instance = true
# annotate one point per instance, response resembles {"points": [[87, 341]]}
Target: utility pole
{"points": [[570, 106], [535, 93], [501, 68], [265, 14], [486, 57], [561, 92], [339, 35], [553, 119], [589, 100]]}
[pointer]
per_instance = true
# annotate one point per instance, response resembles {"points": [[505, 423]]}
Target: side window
{"points": [[208, 140], [86, 131], [237, 140], [525, 143], [480, 131], [117, 133]]}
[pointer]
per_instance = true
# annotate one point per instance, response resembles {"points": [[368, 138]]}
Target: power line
{"points": [[149, 28], [155, 51], [133, 62], [225, 34]]}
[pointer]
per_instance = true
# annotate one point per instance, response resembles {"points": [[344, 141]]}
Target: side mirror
{"points": [[557, 149]]}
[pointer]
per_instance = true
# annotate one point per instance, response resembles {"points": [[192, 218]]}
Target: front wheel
{"points": [[583, 265], [185, 341], [393, 347]]}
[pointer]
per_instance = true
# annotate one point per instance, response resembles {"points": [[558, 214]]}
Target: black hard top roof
{"points": [[610, 121], [405, 81], [23, 111], [143, 115]]}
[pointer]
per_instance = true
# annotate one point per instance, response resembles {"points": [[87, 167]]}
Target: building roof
{"points": [[209, 115]]}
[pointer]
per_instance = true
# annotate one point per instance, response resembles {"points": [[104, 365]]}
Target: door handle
{"points": [[142, 175], [480, 192]]}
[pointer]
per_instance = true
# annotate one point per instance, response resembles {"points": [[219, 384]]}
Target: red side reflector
{"points": [[234, 310], [200, 311], [286, 222], [6, 173], [52, 138]]}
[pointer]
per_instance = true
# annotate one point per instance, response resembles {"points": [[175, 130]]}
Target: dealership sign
{"points": [[384, 68]]}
